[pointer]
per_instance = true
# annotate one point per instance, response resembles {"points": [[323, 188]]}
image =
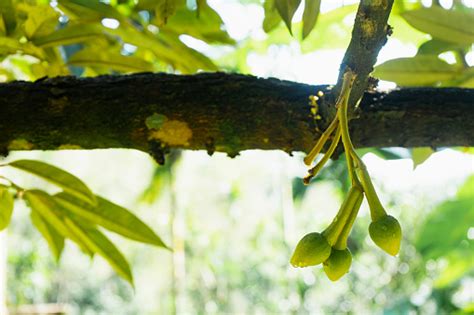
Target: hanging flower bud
{"points": [[338, 264], [311, 250], [387, 234]]}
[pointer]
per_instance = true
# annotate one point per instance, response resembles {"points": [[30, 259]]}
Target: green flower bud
{"points": [[311, 250], [387, 234], [338, 264]]}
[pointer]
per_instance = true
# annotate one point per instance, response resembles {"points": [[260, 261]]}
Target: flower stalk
{"points": [[330, 246]]}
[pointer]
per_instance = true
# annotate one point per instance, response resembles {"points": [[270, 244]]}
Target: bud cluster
{"points": [[330, 247]]}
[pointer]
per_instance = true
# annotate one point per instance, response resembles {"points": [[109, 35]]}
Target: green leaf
{"points": [[272, 17], [112, 217], [458, 264], [101, 245], [287, 9], [436, 47], [167, 47], [109, 60], [449, 25], [467, 189], [3, 30], [445, 230], [419, 155], [332, 32], [310, 15], [48, 209], [207, 26], [467, 80], [42, 19], [11, 46], [90, 10], [7, 10], [404, 32], [57, 176], [6, 207], [145, 5], [70, 35], [417, 71], [53, 238], [163, 10], [185, 58]]}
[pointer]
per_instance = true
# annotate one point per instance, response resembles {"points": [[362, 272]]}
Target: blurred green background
{"points": [[233, 223]]}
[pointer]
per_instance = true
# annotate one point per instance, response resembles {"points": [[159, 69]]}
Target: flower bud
{"points": [[311, 250], [338, 264], [387, 234]]}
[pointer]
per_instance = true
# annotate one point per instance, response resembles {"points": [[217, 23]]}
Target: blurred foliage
{"points": [[236, 235], [453, 221], [241, 264], [91, 38], [75, 214]]}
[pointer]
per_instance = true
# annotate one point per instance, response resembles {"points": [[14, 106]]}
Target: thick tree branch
{"points": [[216, 112]]}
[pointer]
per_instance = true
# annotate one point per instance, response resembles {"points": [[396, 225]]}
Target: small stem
{"points": [[321, 141], [342, 104], [333, 231], [376, 209], [461, 58], [315, 170], [18, 188], [341, 242]]}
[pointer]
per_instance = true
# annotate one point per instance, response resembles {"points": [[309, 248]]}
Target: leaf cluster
{"points": [[128, 36], [451, 31], [75, 214]]}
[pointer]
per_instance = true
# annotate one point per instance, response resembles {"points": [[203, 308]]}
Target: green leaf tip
{"points": [[286, 9], [311, 250], [54, 239], [310, 16], [338, 264], [386, 234], [110, 216], [101, 245]]}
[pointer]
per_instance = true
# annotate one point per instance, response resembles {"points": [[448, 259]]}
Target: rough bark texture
{"points": [[369, 35], [218, 112]]}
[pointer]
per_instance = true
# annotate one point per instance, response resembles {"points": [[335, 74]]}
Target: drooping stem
{"points": [[321, 141], [360, 173], [341, 242], [342, 104], [376, 209], [315, 170], [333, 231]]}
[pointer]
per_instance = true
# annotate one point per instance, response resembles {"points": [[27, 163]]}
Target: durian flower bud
{"points": [[387, 234], [338, 264], [311, 250]]}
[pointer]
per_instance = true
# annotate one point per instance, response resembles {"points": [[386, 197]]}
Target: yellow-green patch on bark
{"points": [[20, 144], [173, 133], [68, 146], [368, 26]]}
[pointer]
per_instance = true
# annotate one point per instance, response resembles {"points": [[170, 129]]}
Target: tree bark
{"points": [[217, 112]]}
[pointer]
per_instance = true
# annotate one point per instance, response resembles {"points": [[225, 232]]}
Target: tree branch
{"points": [[216, 112], [369, 35]]}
